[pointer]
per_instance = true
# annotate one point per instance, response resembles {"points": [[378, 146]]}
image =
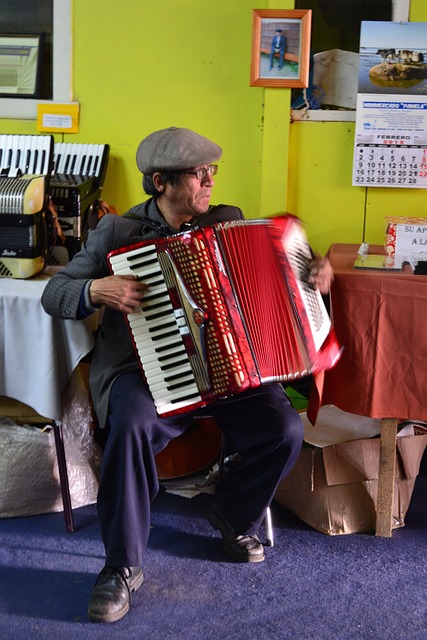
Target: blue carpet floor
{"points": [[311, 586]]}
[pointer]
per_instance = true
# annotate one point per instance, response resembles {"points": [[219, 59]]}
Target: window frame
{"points": [[26, 109]]}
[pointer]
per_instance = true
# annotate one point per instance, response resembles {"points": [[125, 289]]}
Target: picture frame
{"points": [[280, 48], [20, 61]]}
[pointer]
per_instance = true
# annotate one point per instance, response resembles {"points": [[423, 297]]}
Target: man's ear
{"points": [[158, 181]]}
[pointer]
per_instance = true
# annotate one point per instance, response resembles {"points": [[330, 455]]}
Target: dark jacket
{"points": [[114, 352]]}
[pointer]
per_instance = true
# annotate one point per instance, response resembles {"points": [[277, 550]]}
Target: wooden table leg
{"points": [[386, 477]]}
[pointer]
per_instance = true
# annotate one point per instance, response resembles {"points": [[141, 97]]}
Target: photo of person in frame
{"points": [[279, 48]]}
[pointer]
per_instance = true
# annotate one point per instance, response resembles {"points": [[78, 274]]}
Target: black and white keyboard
{"points": [[21, 154], [159, 331], [79, 159]]}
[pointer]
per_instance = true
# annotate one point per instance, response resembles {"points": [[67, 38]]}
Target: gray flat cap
{"points": [[175, 148]]}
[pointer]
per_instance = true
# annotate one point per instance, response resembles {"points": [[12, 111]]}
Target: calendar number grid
{"points": [[390, 165]]}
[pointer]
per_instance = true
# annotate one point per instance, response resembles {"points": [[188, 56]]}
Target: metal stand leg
{"points": [[268, 523], [63, 476]]}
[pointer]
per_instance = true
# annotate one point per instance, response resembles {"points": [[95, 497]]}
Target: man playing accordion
{"points": [[178, 174]]}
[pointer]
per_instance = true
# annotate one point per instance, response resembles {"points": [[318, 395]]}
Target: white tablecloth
{"points": [[38, 353]]}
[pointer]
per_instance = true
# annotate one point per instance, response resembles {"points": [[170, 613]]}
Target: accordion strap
{"points": [[146, 222]]}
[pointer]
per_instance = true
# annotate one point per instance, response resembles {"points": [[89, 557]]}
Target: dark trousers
{"points": [[261, 425], [281, 57]]}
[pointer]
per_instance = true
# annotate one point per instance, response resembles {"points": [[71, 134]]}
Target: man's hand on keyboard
{"points": [[123, 293], [321, 275]]}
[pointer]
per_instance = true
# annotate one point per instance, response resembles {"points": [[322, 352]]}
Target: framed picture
{"points": [[20, 60], [280, 48]]}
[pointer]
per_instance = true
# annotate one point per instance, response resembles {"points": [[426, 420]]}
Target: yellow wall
{"points": [[156, 64], [320, 192], [142, 65], [153, 64]]}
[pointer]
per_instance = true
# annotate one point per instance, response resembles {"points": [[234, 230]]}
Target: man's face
{"points": [[190, 197]]}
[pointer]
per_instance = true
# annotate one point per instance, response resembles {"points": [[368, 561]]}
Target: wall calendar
{"points": [[390, 161], [390, 147]]}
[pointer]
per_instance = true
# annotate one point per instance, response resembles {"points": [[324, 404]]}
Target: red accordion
{"points": [[229, 308]]}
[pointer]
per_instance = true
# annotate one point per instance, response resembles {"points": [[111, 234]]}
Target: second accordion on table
{"points": [[229, 308]]}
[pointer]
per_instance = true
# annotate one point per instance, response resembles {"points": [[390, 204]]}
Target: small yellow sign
{"points": [[58, 118]]}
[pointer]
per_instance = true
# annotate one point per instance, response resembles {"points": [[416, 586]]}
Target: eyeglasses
{"points": [[201, 174]]}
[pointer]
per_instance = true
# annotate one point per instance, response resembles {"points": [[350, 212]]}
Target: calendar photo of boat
{"points": [[393, 58]]}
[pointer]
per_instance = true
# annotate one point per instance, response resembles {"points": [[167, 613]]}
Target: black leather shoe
{"points": [[111, 596], [239, 547]]}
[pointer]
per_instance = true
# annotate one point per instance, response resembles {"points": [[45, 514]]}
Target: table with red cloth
{"points": [[380, 320]]}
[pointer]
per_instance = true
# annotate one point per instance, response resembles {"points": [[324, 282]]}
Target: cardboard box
{"points": [[334, 489]]}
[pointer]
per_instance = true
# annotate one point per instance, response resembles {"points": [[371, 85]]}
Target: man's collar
{"points": [[153, 213]]}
